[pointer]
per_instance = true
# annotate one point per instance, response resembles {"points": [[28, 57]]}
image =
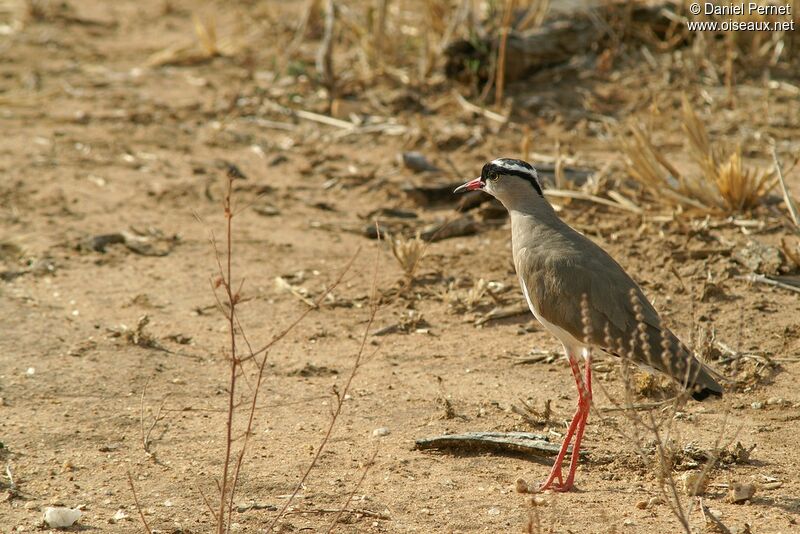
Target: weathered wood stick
{"points": [[498, 442]]}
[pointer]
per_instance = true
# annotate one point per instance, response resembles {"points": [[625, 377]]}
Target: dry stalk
{"points": [[379, 31], [307, 27], [534, 14], [501, 52], [325, 53], [340, 396], [787, 197], [156, 418], [350, 496], [138, 507], [723, 183], [643, 424], [225, 281], [229, 482], [208, 504]]}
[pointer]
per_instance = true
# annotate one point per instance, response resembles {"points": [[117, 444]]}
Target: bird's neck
{"points": [[532, 210], [527, 201], [539, 222]]}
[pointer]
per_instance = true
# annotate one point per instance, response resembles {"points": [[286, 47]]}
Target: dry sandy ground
{"points": [[94, 144]]}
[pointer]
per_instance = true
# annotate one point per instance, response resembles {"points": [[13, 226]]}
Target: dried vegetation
{"points": [[464, 81], [721, 183]]}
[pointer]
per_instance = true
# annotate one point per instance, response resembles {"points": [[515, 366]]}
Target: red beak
{"points": [[470, 186]]}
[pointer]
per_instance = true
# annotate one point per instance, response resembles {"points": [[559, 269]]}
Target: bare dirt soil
{"points": [[95, 143]]}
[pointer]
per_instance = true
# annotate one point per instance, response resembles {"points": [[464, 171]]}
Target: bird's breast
{"points": [[568, 340]]}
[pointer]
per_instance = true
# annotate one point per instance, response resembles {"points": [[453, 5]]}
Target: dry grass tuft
{"points": [[408, 252], [739, 188], [206, 45], [460, 301], [723, 184]]}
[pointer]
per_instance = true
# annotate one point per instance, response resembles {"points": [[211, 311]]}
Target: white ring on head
{"points": [[505, 164]]}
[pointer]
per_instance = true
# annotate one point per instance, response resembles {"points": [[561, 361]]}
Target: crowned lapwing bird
{"points": [[584, 298]]}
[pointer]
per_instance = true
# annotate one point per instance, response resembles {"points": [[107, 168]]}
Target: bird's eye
{"points": [[493, 176]]}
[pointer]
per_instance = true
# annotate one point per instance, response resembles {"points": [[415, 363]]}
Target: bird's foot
{"points": [[554, 481], [557, 485], [560, 488]]}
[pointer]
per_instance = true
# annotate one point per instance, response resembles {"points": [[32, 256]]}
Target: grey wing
{"points": [[620, 319]]}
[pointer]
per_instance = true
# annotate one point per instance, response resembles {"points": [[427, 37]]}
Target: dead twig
{"points": [[156, 418], [761, 279], [323, 119], [370, 463], [566, 193], [325, 54], [225, 280], [503, 313], [207, 503], [787, 197], [472, 108], [340, 395], [708, 517], [358, 511], [501, 53], [499, 442], [637, 407], [280, 335], [138, 507]]}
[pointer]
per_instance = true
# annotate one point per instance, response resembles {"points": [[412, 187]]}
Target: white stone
{"points": [[60, 517]]}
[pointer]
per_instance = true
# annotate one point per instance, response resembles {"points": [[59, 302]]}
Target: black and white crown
{"points": [[514, 167]]}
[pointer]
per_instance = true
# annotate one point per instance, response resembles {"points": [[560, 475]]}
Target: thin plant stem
{"points": [[226, 282], [501, 53], [352, 493], [374, 305], [136, 502]]}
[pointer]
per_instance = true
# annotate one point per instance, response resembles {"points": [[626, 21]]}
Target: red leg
{"points": [[555, 472], [576, 428], [586, 403]]}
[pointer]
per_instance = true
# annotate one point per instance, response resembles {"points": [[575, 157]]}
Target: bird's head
{"points": [[508, 180]]}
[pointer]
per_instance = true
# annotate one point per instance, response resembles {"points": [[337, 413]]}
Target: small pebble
{"points": [[493, 511], [119, 515], [641, 505], [380, 432], [716, 513], [60, 517], [536, 500], [757, 405], [520, 486]]}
